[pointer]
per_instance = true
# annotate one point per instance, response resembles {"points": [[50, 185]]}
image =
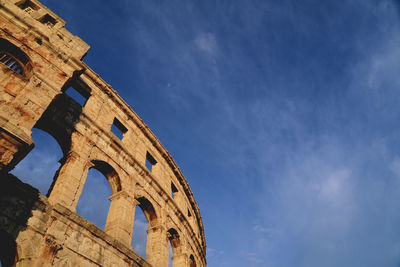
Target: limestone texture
{"points": [[39, 61]]}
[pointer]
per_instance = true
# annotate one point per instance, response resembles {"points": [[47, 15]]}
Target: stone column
{"points": [[180, 260], [68, 186], [14, 145], [157, 246], [121, 217]]}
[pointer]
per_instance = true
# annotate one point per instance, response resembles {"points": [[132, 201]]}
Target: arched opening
{"points": [[14, 58], [39, 168], [175, 243], [169, 254], [111, 175], [8, 251], [60, 118], [145, 218], [139, 235], [11, 62], [94, 201], [192, 262]]}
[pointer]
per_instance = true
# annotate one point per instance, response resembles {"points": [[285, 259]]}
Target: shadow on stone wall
{"points": [[17, 201]]}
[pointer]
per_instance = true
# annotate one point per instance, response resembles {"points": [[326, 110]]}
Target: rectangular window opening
{"points": [[189, 214], [27, 6], [48, 20], [78, 95], [174, 190], [118, 129], [150, 161]]}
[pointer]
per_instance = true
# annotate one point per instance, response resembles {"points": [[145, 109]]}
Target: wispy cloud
{"points": [[261, 229], [284, 116], [206, 42], [251, 257]]}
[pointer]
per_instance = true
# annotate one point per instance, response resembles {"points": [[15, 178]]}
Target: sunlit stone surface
{"points": [[45, 85]]}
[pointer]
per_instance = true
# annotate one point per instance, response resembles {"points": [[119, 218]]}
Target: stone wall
{"points": [[39, 61], [52, 235]]}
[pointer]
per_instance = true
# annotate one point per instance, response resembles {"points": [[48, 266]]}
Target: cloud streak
{"points": [[282, 115]]}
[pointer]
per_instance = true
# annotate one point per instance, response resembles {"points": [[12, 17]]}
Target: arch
{"points": [[148, 210], [109, 172], [139, 230], [94, 203], [51, 123], [14, 58], [63, 113], [41, 166], [145, 202], [176, 245], [174, 238], [192, 262], [100, 170], [60, 135]]}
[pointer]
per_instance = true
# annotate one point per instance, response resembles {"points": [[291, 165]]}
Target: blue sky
{"points": [[283, 116]]}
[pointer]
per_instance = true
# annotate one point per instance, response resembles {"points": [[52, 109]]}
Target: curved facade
{"points": [[40, 61]]}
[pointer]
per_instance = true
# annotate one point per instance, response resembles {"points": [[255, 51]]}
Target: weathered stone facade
{"points": [[39, 61]]}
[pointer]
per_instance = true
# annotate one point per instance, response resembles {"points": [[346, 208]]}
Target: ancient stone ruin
{"points": [[39, 62]]}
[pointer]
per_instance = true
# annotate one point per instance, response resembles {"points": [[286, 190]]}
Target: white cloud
{"points": [[334, 187], [264, 230], [206, 42], [251, 257], [395, 166]]}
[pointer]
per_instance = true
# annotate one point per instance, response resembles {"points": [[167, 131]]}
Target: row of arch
{"points": [[142, 200], [10, 252], [21, 65]]}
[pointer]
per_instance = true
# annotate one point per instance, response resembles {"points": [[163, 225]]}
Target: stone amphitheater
{"points": [[40, 61]]}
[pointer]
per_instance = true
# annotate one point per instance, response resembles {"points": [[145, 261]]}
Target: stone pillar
{"points": [[180, 260], [157, 246], [121, 217], [68, 186], [14, 145]]}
